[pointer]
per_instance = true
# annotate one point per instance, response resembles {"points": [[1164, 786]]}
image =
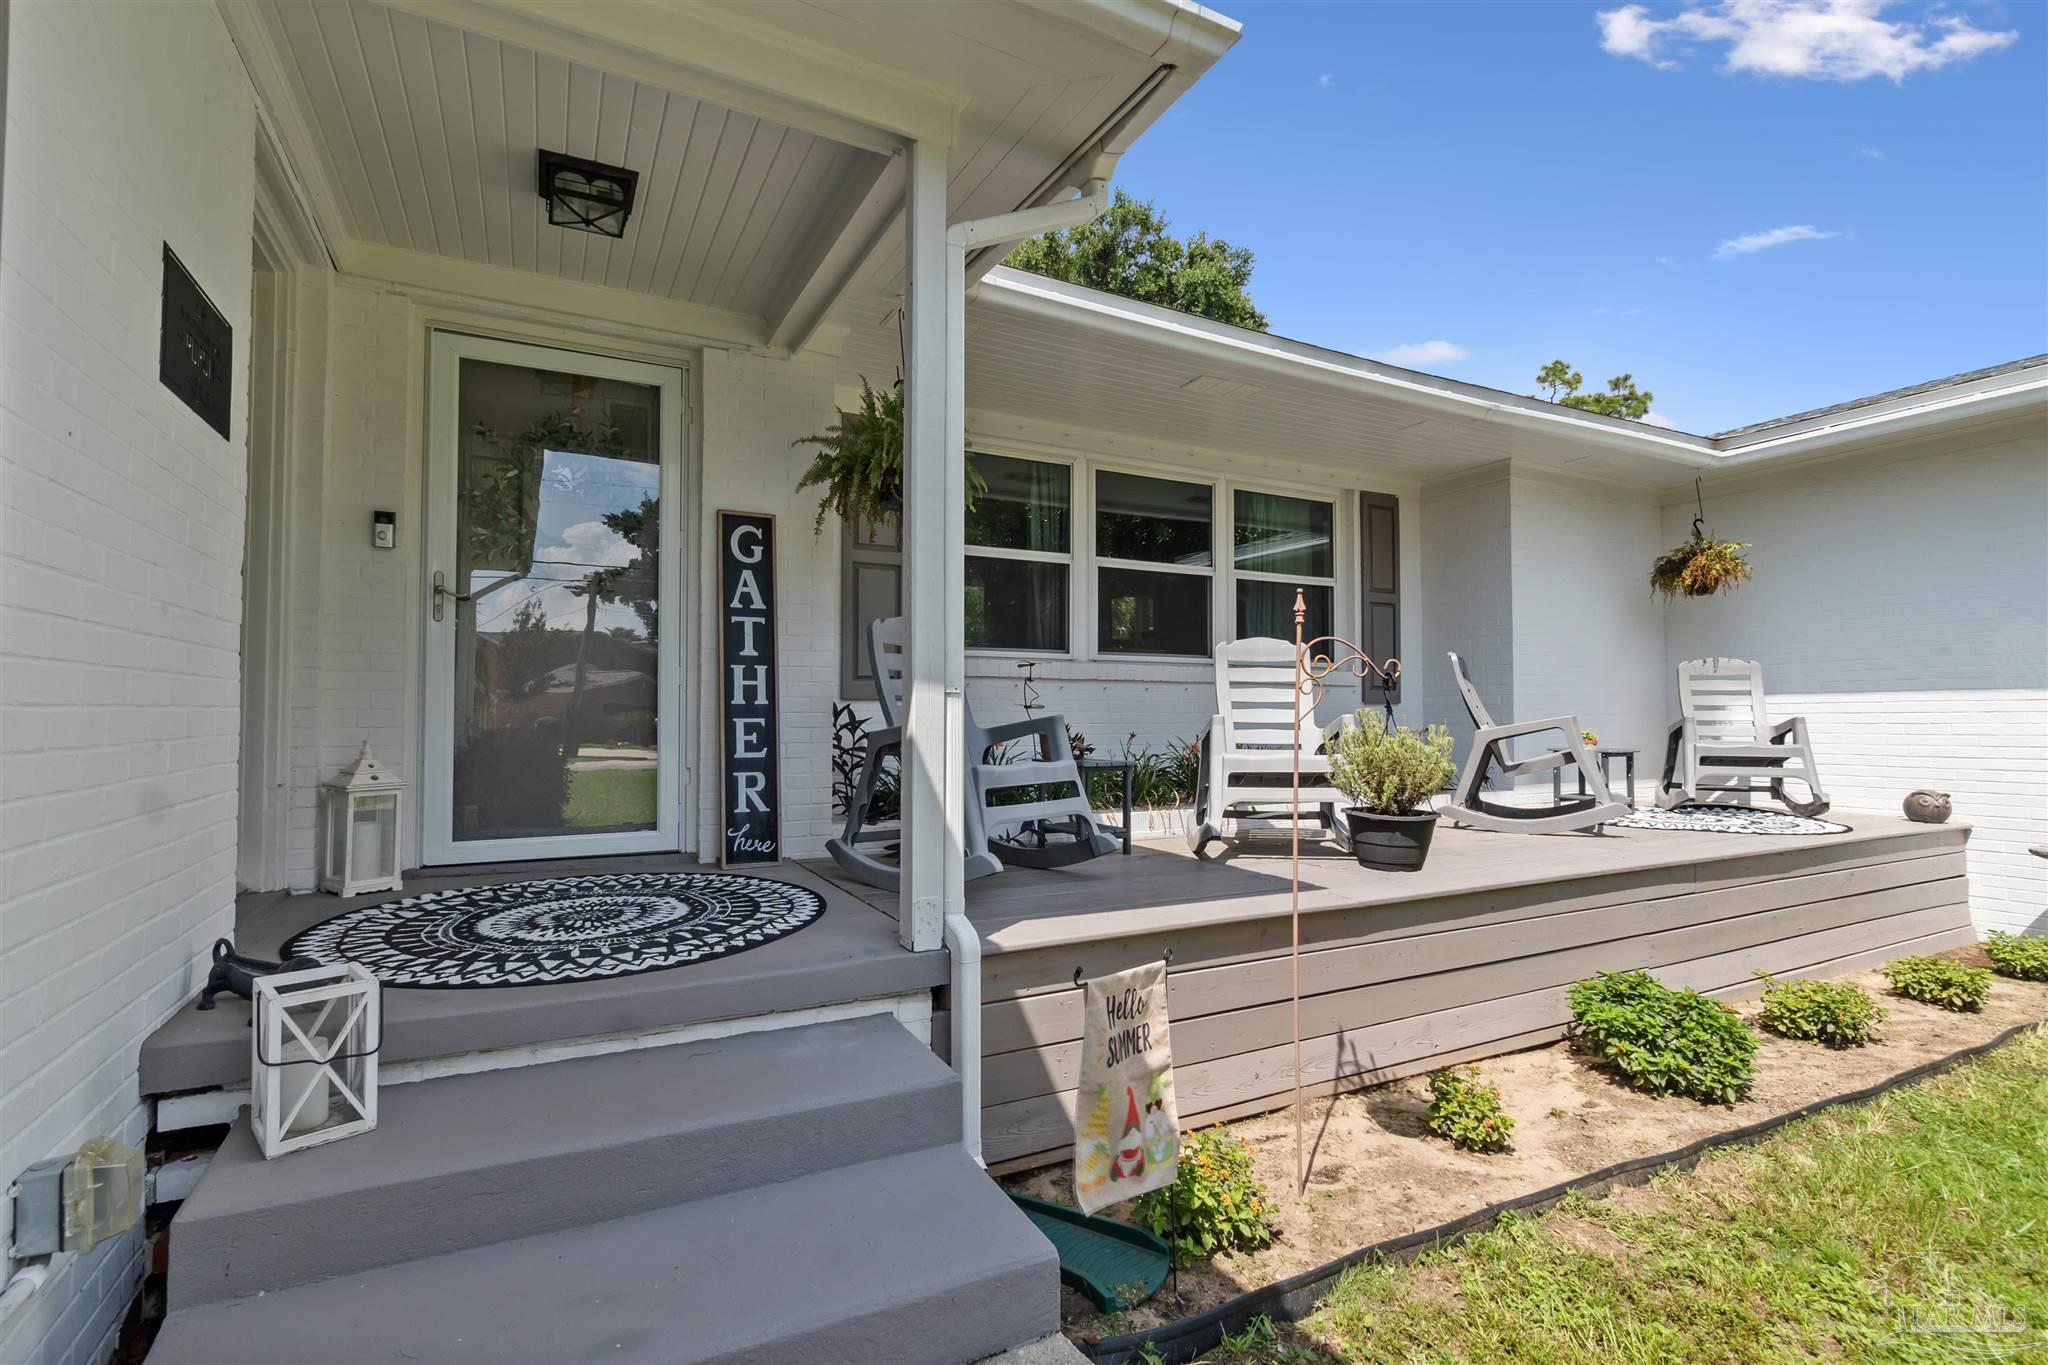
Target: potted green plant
{"points": [[1701, 567], [1389, 774], [859, 462]]}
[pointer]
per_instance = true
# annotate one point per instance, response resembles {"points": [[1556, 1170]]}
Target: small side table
{"points": [[1107, 765], [1600, 756]]}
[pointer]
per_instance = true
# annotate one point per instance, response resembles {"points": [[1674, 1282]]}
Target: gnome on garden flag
{"points": [[1126, 1130]]}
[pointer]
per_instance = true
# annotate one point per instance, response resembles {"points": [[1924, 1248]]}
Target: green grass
{"points": [[1911, 1229], [610, 796]]}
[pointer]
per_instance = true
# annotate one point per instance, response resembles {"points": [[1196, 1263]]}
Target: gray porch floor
{"points": [[1162, 886], [849, 953]]}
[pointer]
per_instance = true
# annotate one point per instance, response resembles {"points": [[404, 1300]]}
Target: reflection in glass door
{"points": [[551, 730]]}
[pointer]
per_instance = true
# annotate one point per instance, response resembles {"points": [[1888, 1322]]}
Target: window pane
{"points": [[1268, 609], [1153, 613], [1024, 508], [1016, 604], [1276, 534], [1162, 521]]}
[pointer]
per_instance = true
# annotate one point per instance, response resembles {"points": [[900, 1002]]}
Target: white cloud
{"points": [[1833, 40], [1658, 419], [1324, 80], [1764, 241], [1870, 153], [1423, 355], [590, 544]]}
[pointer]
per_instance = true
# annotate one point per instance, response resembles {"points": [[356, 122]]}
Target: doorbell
{"points": [[384, 530]]}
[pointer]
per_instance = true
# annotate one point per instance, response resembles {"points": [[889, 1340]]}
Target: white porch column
{"points": [[934, 489]]}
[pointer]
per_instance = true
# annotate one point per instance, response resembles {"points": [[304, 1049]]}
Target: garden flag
{"points": [[1126, 1128]]}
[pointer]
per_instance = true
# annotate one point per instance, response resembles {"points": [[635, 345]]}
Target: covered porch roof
{"points": [[766, 136], [1049, 352]]}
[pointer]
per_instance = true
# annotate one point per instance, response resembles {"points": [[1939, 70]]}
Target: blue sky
{"points": [[1756, 207]]}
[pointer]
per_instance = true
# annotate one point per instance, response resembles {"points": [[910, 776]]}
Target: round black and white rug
{"points": [[567, 929], [1728, 820]]}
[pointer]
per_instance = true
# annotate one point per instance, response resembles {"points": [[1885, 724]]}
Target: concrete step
{"points": [[470, 1160], [913, 1259]]}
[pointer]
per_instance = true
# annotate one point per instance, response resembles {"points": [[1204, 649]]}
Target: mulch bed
{"points": [[1375, 1173]]}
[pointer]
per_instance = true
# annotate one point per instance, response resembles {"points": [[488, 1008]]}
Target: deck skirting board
{"points": [[1405, 992], [1053, 1017], [1259, 929]]}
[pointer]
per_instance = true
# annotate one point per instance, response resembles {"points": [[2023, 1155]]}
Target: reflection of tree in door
{"points": [[556, 660]]}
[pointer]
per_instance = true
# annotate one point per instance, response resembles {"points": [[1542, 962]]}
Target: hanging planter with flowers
{"points": [[1703, 566]]}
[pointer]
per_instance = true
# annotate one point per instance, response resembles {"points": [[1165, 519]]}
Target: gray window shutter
{"points": [[871, 587], [1379, 635]]}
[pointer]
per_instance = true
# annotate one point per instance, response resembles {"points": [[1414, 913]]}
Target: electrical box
{"points": [[73, 1203]]}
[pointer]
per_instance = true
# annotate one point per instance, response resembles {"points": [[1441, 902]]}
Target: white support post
{"points": [[932, 487]]}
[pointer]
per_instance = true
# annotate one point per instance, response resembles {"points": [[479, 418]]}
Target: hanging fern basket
{"points": [[1701, 567]]}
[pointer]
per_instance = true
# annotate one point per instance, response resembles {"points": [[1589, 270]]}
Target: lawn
{"points": [[608, 797], [1911, 1229]]}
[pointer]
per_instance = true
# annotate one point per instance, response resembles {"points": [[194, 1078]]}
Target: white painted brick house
{"points": [[196, 629]]}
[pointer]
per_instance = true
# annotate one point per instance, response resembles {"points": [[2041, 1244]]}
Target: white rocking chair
{"points": [[1490, 749], [1247, 755], [1724, 740], [1038, 832]]}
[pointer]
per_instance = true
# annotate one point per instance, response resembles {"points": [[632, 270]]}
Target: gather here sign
{"points": [[751, 792]]}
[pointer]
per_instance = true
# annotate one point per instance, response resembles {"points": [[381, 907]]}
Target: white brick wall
{"points": [[1589, 635], [355, 658], [1467, 567], [1901, 605], [121, 517], [753, 410]]}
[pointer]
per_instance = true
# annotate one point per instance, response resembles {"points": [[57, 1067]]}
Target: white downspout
{"points": [[961, 941]]}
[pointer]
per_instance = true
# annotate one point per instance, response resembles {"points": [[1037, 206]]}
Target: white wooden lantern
{"points": [[313, 1057], [361, 820]]}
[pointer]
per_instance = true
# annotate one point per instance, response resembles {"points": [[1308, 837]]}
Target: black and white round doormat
{"points": [[567, 929], [1728, 820]]}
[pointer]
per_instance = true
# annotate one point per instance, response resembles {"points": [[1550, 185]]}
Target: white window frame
{"points": [[1336, 506], [1083, 580], [1097, 562], [1071, 558]]}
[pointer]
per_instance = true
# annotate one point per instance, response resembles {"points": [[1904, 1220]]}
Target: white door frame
{"points": [[438, 845]]}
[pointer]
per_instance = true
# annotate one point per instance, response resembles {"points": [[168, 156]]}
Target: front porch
{"points": [[1402, 973], [846, 963]]}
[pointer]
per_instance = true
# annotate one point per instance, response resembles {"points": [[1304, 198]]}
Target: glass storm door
{"points": [[554, 567]]}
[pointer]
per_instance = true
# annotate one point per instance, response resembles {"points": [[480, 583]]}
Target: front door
{"points": [[554, 621]]}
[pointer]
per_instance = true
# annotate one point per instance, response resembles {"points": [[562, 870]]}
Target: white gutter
{"points": [[962, 943]]}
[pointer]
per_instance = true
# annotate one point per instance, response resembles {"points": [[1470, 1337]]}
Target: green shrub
{"points": [[1663, 1041], [1466, 1110], [2018, 955], [1831, 1012], [1218, 1203], [1940, 981], [1389, 773]]}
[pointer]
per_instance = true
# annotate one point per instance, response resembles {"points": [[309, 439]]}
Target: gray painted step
{"points": [[909, 1259], [468, 1160]]}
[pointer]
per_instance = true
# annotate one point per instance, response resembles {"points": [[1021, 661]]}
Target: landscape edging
{"points": [[1293, 1298]]}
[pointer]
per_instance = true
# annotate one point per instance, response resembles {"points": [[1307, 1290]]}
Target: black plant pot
{"points": [[1391, 843]]}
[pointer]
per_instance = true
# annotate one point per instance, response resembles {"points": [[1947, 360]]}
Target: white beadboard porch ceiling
{"points": [[431, 132], [763, 133]]}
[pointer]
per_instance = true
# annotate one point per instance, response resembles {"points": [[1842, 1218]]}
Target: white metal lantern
{"points": [[361, 821], [313, 1056]]}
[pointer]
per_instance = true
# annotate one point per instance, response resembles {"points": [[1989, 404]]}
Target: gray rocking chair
{"points": [[1490, 749], [1724, 740], [1039, 831]]}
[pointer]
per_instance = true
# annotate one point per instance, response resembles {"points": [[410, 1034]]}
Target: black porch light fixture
{"points": [[587, 195]]}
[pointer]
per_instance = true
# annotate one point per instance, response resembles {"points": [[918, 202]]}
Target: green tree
{"points": [[1560, 384], [1128, 251]]}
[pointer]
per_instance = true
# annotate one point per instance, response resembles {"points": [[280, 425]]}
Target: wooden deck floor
{"points": [[1402, 972]]}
